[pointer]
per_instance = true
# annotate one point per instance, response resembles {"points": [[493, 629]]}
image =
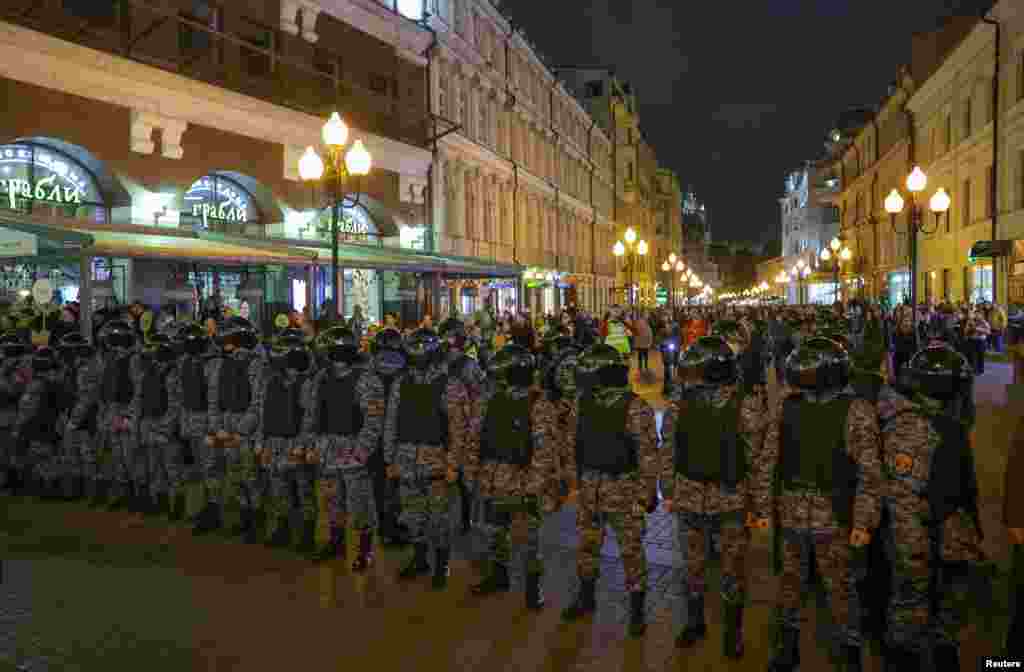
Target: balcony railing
{"points": [[247, 56]]}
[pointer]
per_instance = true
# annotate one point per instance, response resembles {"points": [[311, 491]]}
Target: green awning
{"points": [[31, 239], [990, 249]]}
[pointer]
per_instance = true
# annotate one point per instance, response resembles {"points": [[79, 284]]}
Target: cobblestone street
{"points": [[87, 590]]}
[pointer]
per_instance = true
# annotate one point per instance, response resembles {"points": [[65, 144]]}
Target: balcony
{"points": [[234, 52]]}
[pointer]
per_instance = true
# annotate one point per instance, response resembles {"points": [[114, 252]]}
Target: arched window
{"points": [[36, 178], [354, 226], [220, 204]]}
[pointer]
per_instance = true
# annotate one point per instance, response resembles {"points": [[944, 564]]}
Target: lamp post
{"points": [[837, 254], [355, 163], [632, 250], [938, 204], [673, 264]]}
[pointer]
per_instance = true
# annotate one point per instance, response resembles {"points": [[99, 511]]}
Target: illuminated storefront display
{"points": [[33, 175], [218, 203]]}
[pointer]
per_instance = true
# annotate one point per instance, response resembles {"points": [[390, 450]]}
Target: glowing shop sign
{"points": [[45, 189]]}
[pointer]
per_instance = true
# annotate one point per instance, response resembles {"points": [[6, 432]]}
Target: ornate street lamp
{"points": [[337, 172], [632, 251], [938, 204]]}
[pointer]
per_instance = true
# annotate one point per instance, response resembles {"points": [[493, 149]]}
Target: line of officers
{"points": [[875, 498]]}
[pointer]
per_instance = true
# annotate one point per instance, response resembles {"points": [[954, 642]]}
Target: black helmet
{"points": [[193, 339], [161, 348], [602, 366], [338, 345], [12, 345], [290, 349], [710, 360], [386, 339], [73, 348], [512, 365], [44, 359], [733, 333], [422, 347], [452, 331], [238, 333], [118, 335], [939, 372], [818, 364]]}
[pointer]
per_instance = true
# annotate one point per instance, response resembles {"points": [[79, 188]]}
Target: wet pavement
{"points": [[88, 590]]}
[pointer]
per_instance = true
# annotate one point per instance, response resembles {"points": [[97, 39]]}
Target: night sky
{"points": [[732, 95]]}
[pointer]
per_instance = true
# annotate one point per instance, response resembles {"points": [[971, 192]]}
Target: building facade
{"points": [[176, 131]]}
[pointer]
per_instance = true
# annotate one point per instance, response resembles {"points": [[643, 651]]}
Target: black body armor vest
{"points": [[603, 442], [422, 417], [508, 432], [340, 414]]}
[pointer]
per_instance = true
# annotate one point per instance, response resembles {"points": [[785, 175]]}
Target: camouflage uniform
{"points": [[513, 490], [231, 473], [710, 510], [198, 462], [36, 432], [344, 411], [12, 385], [932, 527], [815, 521], [426, 428], [288, 455], [118, 424], [159, 466], [616, 461]]}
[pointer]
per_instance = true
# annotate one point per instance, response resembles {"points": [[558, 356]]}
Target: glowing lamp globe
{"points": [[358, 160], [335, 132], [894, 203], [940, 201], [311, 166]]}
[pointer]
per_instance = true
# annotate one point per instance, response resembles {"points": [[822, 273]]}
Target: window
{"points": [[966, 218], [989, 205], [967, 117]]}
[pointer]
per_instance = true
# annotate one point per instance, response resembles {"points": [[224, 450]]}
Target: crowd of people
{"points": [[333, 437]]}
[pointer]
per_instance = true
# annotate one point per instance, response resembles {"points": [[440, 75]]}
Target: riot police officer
{"points": [[616, 461]]}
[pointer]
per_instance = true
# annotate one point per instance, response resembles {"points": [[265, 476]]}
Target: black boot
{"points": [[496, 581], [99, 489], [257, 524], [441, 568], [534, 591], [177, 507], [332, 549], [947, 658], [208, 519], [364, 558], [280, 535], [733, 641], [854, 658], [417, 564], [584, 603], [787, 656], [120, 497], [696, 627], [898, 659], [637, 614], [307, 543]]}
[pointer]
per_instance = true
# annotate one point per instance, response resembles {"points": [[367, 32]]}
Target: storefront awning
{"points": [[191, 248], [394, 259], [20, 237], [990, 249]]}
